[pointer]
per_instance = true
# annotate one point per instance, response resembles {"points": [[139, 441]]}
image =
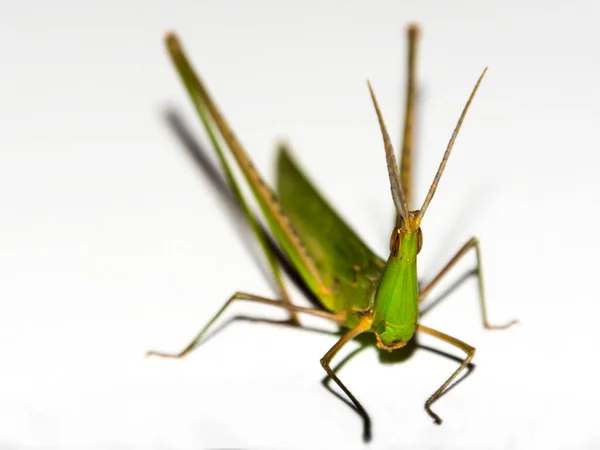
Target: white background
{"points": [[113, 240]]}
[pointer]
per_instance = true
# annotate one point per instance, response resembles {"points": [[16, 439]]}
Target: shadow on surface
{"points": [[449, 290], [200, 156]]}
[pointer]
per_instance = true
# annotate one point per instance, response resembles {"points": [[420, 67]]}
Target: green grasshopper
{"points": [[356, 289]]}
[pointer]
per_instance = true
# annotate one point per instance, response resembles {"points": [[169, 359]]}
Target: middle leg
{"points": [[472, 243], [252, 298]]}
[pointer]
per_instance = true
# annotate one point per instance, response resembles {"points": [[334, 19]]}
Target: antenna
{"points": [[392, 165], [440, 170]]}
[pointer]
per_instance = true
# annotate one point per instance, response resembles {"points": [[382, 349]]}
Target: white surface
{"points": [[113, 241]]}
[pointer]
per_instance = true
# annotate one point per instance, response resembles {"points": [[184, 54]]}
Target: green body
{"points": [[361, 280]]}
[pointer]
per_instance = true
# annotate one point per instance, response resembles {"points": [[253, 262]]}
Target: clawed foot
{"points": [[164, 355], [434, 416], [487, 326]]}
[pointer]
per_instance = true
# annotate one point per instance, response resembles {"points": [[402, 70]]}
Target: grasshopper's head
{"points": [[396, 300]]}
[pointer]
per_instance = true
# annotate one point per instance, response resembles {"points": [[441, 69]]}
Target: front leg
{"points": [[363, 325], [470, 351]]}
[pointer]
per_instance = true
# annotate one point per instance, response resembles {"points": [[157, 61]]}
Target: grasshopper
{"points": [[356, 289]]}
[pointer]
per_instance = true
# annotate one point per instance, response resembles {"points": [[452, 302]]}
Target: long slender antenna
{"points": [[395, 184], [406, 156], [440, 170]]}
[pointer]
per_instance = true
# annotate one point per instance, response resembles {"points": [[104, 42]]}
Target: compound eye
{"points": [[395, 242], [419, 240]]}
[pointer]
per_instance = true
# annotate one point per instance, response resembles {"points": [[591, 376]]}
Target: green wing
{"points": [[341, 257]]}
